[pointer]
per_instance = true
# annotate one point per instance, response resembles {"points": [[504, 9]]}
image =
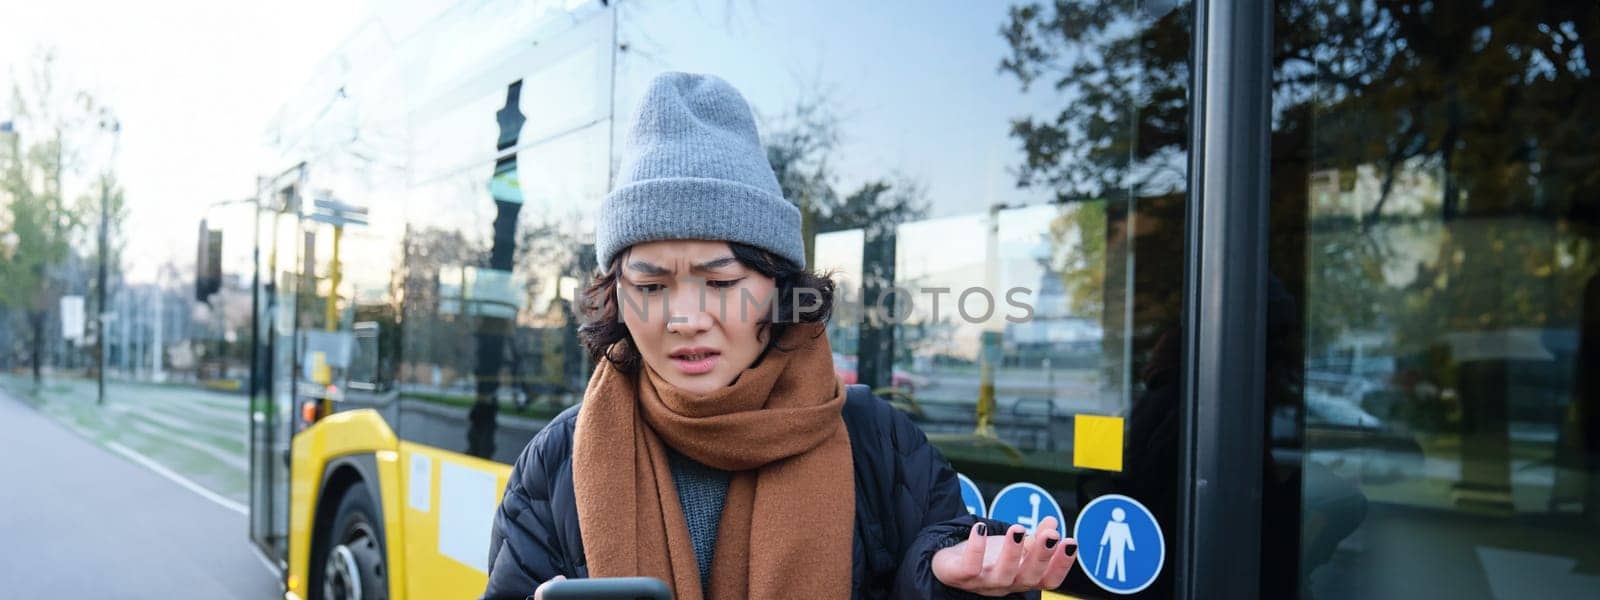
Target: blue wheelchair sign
{"points": [[1025, 504], [1122, 548], [971, 497]]}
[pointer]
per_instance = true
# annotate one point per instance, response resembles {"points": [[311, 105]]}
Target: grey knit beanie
{"points": [[693, 168]]}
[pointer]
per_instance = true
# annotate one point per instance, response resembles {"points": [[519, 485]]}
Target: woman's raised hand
{"points": [[996, 565]]}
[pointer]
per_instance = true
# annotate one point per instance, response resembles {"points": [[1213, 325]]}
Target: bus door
{"points": [[277, 282]]}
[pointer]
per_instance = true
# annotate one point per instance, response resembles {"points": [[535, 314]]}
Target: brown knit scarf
{"points": [[790, 510]]}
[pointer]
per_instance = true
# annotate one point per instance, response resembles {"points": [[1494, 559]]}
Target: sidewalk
{"points": [[82, 522]]}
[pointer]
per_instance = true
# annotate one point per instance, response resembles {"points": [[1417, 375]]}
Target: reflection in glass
{"points": [[490, 347], [1434, 240]]}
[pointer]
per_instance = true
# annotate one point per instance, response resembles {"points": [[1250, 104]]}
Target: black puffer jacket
{"points": [[908, 506]]}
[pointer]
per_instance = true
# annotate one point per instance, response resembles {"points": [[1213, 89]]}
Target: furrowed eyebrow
{"points": [[648, 269], [712, 264], [653, 269]]}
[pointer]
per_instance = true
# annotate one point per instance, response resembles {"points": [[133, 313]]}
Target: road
{"points": [[80, 520]]}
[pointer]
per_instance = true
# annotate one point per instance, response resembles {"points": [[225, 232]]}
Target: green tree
{"points": [[55, 129], [1077, 240]]}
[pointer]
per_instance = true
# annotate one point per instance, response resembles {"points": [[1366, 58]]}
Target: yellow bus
{"points": [[1019, 199]]}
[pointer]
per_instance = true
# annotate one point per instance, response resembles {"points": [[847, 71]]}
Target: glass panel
{"points": [[272, 401], [1434, 298], [1000, 192], [508, 172]]}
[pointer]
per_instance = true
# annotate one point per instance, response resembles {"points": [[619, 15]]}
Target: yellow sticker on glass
{"points": [[1097, 442]]}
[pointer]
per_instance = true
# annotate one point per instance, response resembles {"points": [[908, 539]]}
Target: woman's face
{"points": [[693, 310]]}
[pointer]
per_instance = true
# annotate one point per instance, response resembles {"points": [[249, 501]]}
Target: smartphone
{"points": [[608, 588]]}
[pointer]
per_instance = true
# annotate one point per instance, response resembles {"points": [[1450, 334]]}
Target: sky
{"points": [[193, 83], [915, 84]]}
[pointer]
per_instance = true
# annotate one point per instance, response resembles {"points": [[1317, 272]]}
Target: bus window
{"points": [[1431, 333]]}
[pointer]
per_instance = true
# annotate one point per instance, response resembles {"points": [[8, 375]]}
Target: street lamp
{"points": [[108, 122]]}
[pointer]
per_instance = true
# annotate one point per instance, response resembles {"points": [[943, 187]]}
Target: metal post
{"points": [[1223, 437], [107, 122], [255, 299], [125, 341], [990, 352], [156, 323], [100, 292], [332, 322]]}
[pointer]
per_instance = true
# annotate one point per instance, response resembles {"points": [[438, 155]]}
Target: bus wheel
{"points": [[352, 567]]}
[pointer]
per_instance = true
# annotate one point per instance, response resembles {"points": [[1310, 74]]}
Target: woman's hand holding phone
{"points": [[538, 594]]}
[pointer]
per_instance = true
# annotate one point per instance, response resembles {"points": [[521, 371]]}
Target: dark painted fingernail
{"points": [[1017, 537], [1050, 543], [1071, 548], [983, 529]]}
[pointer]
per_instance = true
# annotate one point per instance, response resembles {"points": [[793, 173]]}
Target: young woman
{"points": [[715, 449]]}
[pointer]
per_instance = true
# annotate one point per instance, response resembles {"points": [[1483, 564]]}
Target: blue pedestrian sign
{"points": [[1025, 504], [1121, 547], [971, 497]]}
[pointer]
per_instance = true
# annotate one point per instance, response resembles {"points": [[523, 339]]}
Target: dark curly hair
{"points": [[602, 325]]}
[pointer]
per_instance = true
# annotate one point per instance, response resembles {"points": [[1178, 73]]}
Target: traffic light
{"points": [[208, 263]]}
